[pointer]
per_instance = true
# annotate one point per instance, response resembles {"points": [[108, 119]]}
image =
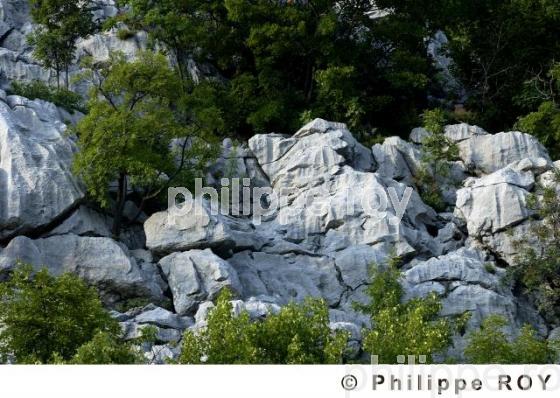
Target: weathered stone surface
{"points": [[398, 159], [287, 277], [496, 202], [196, 276], [469, 282], [312, 151], [154, 315], [84, 222], [487, 153], [36, 183], [198, 228], [100, 261]]}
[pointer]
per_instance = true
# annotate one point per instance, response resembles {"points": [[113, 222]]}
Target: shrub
{"points": [[46, 317], [402, 328], [490, 344], [298, 334], [106, 348], [58, 96]]}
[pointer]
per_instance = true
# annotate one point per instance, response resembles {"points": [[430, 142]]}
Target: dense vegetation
{"points": [[298, 334], [402, 328], [47, 319], [491, 345], [538, 263]]}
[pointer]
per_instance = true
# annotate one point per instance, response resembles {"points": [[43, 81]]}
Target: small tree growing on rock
{"points": [[298, 334], [61, 24], [402, 328], [128, 134], [490, 344], [46, 318], [437, 152]]}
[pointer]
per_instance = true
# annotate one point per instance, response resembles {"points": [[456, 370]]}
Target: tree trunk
{"points": [[67, 78], [119, 206]]}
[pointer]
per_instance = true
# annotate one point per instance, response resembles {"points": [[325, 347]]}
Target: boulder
{"points": [[470, 282], [487, 153], [195, 276], [37, 187], [288, 277], [313, 151], [101, 262], [199, 228], [495, 202], [154, 315], [398, 159]]}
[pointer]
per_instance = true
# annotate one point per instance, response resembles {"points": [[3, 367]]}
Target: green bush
{"points": [[402, 328], [298, 334], [543, 122], [491, 345], [46, 317], [105, 348], [58, 96]]}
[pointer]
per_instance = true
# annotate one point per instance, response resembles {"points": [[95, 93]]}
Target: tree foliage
{"points": [[279, 63], [106, 348], [537, 266], [46, 317], [490, 345], [298, 334], [497, 45], [133, 134], [402, 328], [60, 24], [58, 96], [437, 153], [544, 123]]}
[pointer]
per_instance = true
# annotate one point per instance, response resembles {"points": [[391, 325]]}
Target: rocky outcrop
{"points": [[36, 183], [196, 276], [100, 261]]}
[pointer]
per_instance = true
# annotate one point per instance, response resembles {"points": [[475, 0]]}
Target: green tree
{"points": [[537, 266], [496, 45], [437, 151], [278, 61], [491, 345], [298, 334], [544, 122], [132, 133], [61, 24], [402, 328], [45, 317]]}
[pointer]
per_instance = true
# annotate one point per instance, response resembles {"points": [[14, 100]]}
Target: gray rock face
{"points": [[487, 153], [469, 282], [196, 276], [100, 261], [197, 229], [287, 277], [496, 202], [161, 317], [398, 159], [36, 183], [312, 151]]}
